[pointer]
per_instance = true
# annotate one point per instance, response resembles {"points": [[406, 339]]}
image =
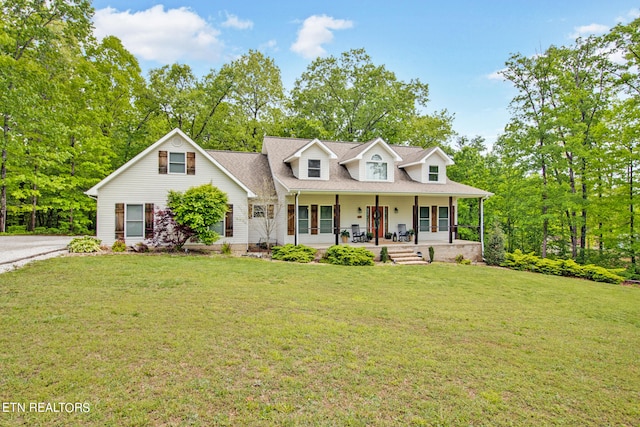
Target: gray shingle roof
{"points": [[340, 180], [252, 169]]}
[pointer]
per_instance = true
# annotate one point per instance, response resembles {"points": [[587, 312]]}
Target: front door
{"points": [[379, 214]]}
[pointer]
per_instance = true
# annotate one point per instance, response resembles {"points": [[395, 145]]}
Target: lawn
{"points": [[195, 340]]}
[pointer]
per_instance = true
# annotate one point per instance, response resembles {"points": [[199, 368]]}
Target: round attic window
{"points": [[176, 142]]}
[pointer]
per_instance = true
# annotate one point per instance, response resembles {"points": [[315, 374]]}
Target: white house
{"points": [[314, 190]]}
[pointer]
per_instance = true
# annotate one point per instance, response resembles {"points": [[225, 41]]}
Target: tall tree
{"points": [[355, 100]]}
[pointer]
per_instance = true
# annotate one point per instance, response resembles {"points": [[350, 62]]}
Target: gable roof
{"points": [[252, 169], [317, 142], [278, 149], [93, 191], [420, 157], [358, 151]]}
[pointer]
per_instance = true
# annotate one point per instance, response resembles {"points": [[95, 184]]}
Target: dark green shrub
{"points": [[293, 253], [431, 253], [530, 262], [494, 247], [384, 254], [84, 244], [349, 255], [16, 229], [119, 246]]}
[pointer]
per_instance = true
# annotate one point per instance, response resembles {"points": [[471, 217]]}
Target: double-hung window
{"points": [[134, 221], [326, 219], [433, 173], [303, 219], [425, 217], [177, 163], [376, 168], [443, 218], [313, 168]]}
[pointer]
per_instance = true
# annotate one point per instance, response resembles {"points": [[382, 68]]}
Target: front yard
{"points": [[194, 340]]}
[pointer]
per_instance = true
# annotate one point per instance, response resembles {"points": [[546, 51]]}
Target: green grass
{"points": [[193, 340]]}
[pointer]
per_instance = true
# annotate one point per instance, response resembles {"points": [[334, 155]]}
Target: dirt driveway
{"points": [[18, 250]]}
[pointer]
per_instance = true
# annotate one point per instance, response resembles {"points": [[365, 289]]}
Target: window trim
{"points": [[127, 221], [304, 230], [378, 161], [317, 169], [441, 218], [422, 218], [435, 173], [329, 220], [183, 163]]}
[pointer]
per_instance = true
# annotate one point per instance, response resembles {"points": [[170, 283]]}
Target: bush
{"points": [[349, 255], [86, 244], [293, 253], [119, 246], [494, 249], [569, 268], [431, 253], [384, 254], [225, 249]]}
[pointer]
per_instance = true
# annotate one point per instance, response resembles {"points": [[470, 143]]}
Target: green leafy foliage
{"points": [[494, 248], [349, 255], [432, 253], [119, 246], [530, 262], [199, 208], [293, 253], [384, 254], [86, 244]]}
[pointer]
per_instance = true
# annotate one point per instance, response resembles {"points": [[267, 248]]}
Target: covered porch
{"points": [[418, 221]]}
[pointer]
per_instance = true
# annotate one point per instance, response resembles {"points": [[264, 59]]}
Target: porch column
{"points": [[336, 218], [295, 224], [415, 218], [481, 204], [450, 219], [376, 218]]}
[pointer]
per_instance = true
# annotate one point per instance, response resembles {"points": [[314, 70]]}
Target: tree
{"points": [[267, 201], [199, 209], [355, 100]]}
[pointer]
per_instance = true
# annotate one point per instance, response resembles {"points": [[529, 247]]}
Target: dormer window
{"points": [[433, 173], [376, 168], [313, 168]]}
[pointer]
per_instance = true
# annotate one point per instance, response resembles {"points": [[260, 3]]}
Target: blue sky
{"points": [[456, 47]]}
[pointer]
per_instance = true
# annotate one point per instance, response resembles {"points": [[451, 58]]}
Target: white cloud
{"points": [[234, 22], [165, 36], [496, 75], [587, 30], [630, 16], [270, 45], [316, 31]]}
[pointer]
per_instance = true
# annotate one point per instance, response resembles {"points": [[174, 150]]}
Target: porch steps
{"points": [[405, 257]]}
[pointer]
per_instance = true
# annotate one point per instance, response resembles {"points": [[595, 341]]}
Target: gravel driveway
{"points": [[18, 250]]}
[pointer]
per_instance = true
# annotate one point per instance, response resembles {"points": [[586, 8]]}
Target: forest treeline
{"points": [[73, 109]]}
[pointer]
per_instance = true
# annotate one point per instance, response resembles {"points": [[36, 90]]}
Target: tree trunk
{"points": [[3, 175]]}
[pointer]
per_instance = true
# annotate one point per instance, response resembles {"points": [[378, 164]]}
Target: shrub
{"points": [[225, 249], [293, 253], [119, 246], [84, 244], [384, 254], [530, 262], [431, 253], [494, 249], [349, 255]]}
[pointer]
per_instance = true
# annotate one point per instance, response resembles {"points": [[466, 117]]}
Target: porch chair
{"points": [[403, 236], [358, 236]]}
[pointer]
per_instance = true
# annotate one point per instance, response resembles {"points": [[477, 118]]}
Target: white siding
{"points": [[386, 157], [314, 153], [435, 160], [141, 183]]}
